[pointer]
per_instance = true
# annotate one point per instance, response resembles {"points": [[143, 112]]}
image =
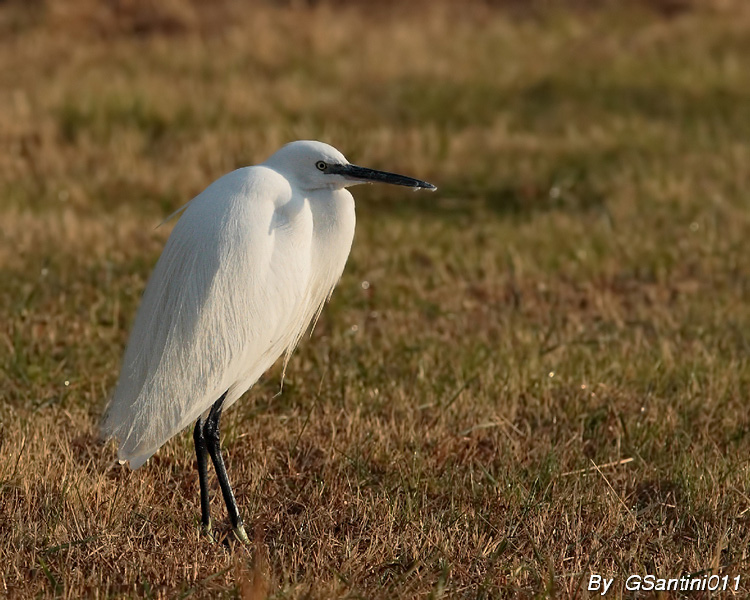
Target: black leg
{"points": [[202, 455], [213, 444]]}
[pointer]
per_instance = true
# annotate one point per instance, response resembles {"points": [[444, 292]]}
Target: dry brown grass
{"points": [[575, 295]]}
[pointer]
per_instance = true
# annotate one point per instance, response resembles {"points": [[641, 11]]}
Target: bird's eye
{"points": [[322, 166]]}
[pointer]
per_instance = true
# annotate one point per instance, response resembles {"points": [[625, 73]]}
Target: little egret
{"points": [[246, 270]]}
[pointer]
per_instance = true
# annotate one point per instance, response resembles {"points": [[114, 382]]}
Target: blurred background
{"points": [[575, 295]]}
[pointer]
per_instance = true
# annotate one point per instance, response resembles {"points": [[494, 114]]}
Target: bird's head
{"points": [[315, 165]]}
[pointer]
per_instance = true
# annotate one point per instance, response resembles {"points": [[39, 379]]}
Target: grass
{"points": [[538, 373]]}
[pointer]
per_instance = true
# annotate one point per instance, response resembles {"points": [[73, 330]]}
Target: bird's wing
{"points": [[211, 310]]}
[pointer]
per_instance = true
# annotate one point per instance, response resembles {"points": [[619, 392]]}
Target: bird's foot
{"points": [[208, 530], [239, 532]]}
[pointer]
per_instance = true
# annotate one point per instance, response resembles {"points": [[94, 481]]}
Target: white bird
{"points": [[246, 270]]}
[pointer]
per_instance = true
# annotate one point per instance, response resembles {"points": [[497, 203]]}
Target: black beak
{"points": [[371, 175]]}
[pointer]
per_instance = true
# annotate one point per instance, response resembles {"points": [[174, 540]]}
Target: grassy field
{"points": [[537, 373]]}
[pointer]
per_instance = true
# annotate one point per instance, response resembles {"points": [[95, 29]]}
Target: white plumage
{"points": [[247, 268]]}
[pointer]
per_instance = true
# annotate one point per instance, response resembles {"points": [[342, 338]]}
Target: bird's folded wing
{"points": [[208, 318]]}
